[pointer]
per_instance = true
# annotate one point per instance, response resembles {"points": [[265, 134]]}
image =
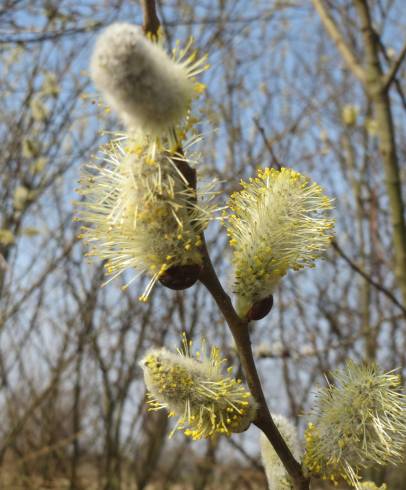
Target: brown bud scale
{"points": [[260, 309], [180, 277]]}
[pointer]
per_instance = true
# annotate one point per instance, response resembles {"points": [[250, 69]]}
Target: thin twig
{"points": [[368, 278], [339, 40], [398, 85], [268, 144], [390, 76]]}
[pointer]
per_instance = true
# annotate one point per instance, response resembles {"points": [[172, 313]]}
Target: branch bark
{"points": [[151, 21], [240, 331]]}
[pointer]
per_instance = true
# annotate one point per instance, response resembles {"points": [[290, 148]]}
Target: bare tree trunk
{"points": [[378, 92], [376, 85]]}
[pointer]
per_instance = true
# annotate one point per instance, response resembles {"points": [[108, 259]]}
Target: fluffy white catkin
{"points": [[279, 221], [137, 211], [277, 476], [149, 90]]}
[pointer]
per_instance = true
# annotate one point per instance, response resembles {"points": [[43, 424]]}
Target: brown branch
{"points": [[151, 21], [240, 332]]}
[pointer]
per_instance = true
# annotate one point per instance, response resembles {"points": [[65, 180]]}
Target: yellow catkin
{"points": [[206, 401], [278, 221], [358, 421], [138, 212]]}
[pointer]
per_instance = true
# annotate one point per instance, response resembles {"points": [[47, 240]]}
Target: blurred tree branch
{"points": [[376, 85]]}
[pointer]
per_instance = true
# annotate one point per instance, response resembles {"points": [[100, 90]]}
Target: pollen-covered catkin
{"points": [[207, 401], [139, 211], [276, 474], [150, 91], [358, 421], [279, 221]]}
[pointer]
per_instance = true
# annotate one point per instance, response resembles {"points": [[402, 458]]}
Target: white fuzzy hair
{"points": [[138, 80]]}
